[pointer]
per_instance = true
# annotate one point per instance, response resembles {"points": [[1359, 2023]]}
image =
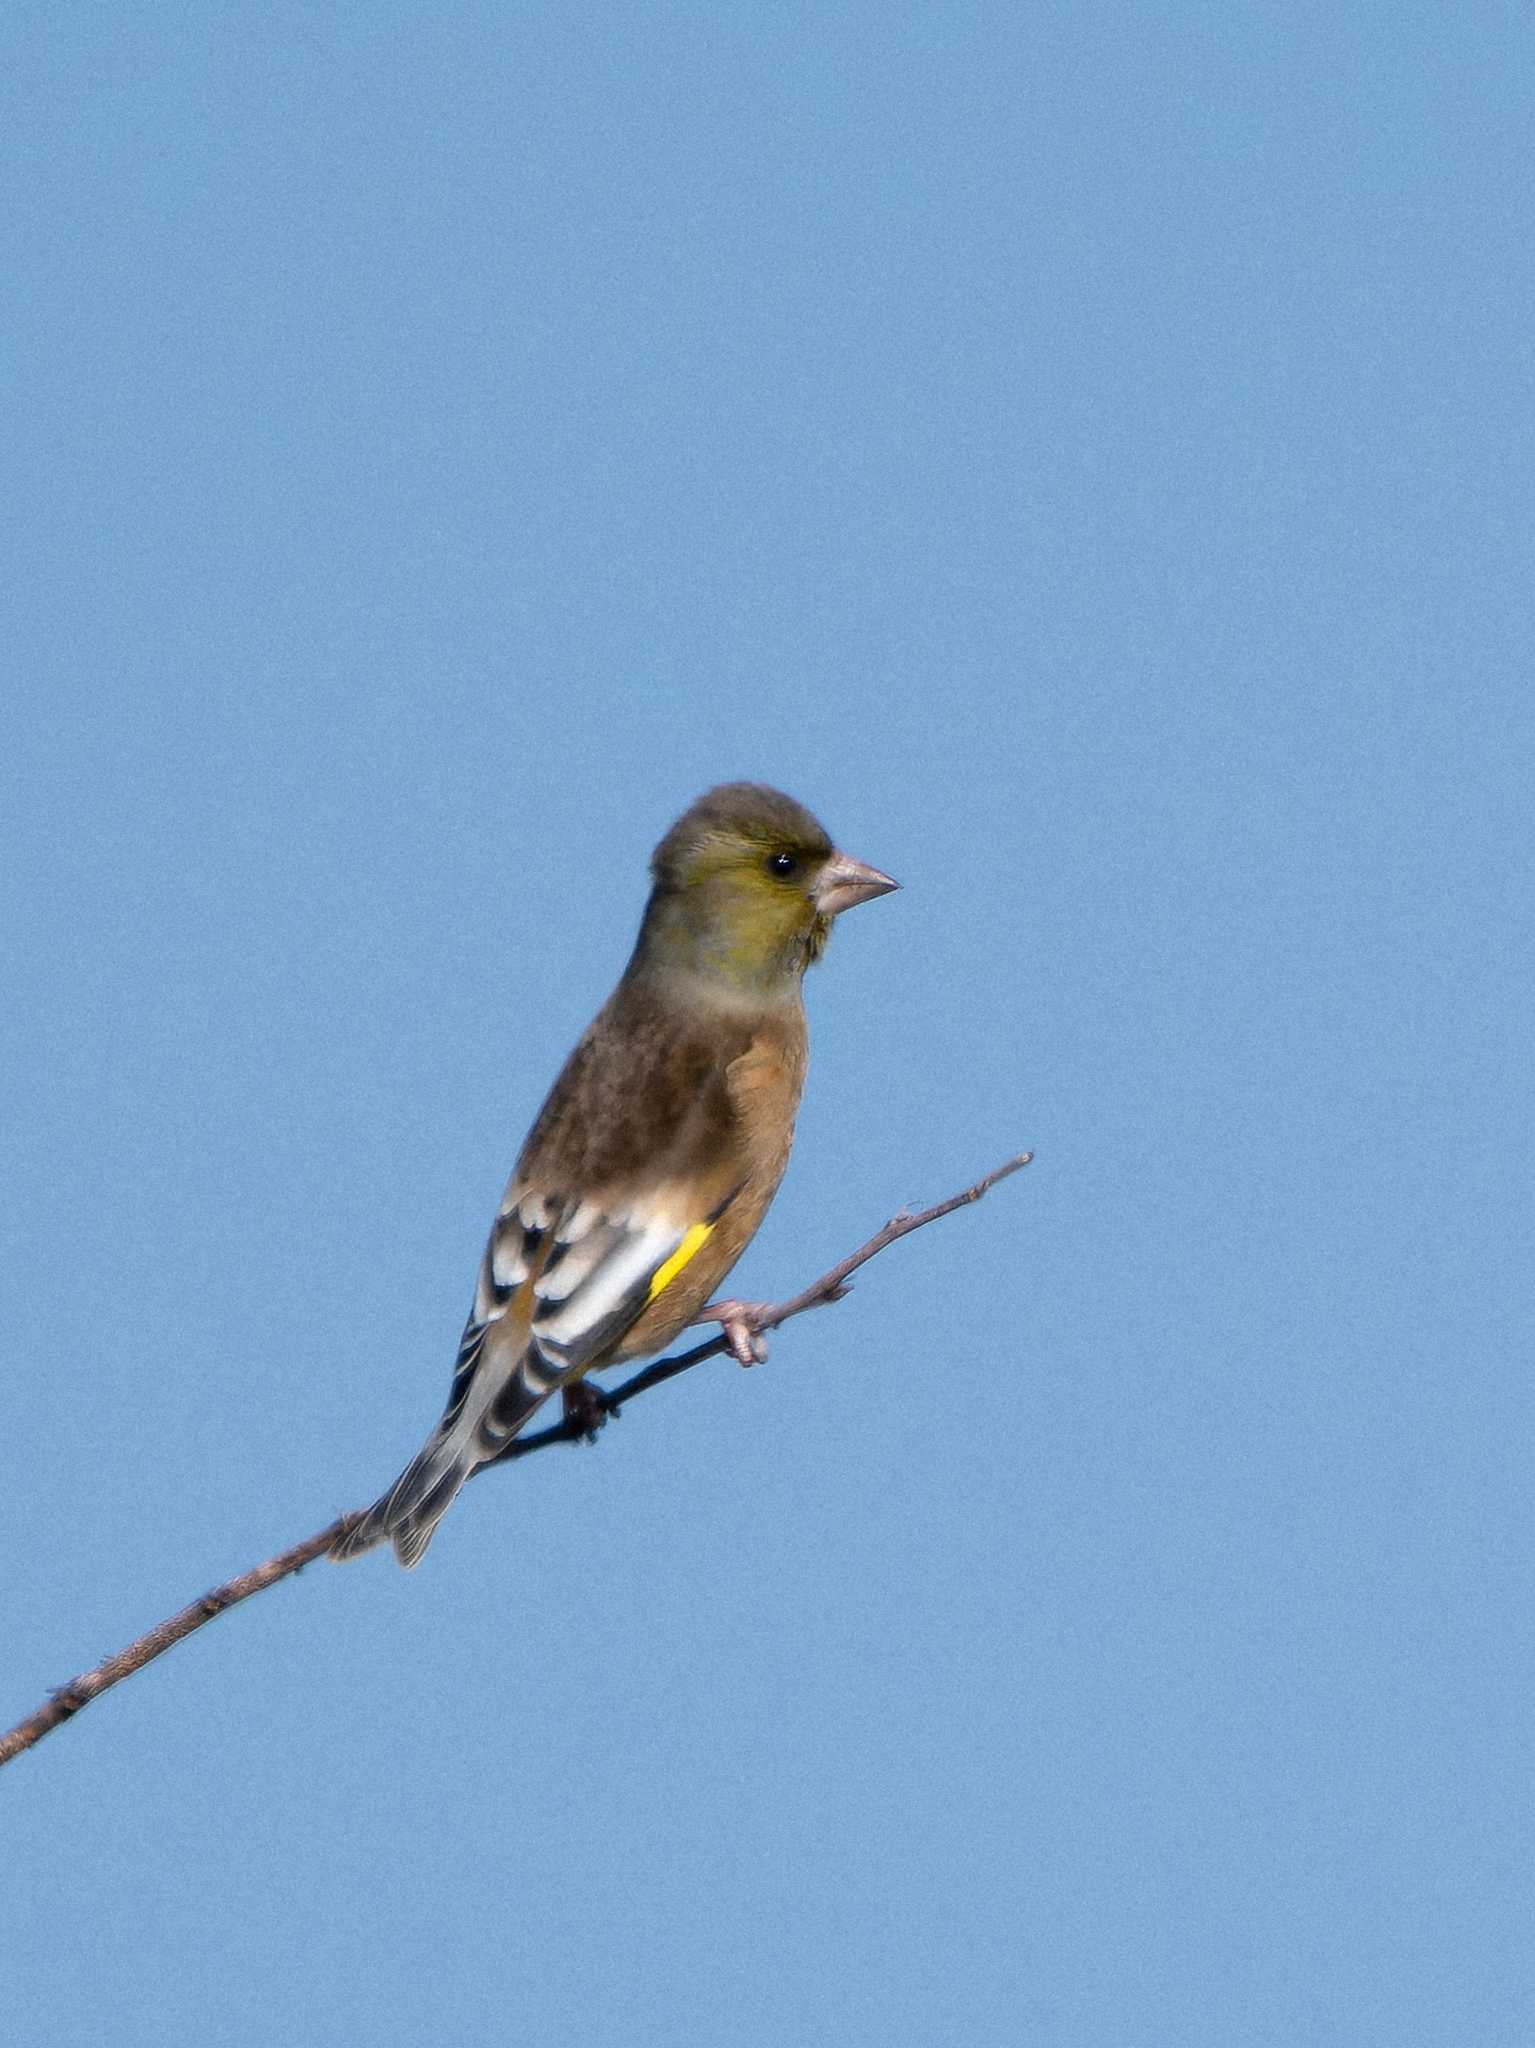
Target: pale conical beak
{"points": [[845, 881]]}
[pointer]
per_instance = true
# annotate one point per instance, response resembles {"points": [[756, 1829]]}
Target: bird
{"points": [[658, 1150]]}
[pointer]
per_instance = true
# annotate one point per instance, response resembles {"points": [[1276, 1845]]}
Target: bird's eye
{"points": [[781, 864]]}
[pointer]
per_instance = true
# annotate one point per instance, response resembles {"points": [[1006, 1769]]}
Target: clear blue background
{"points": [[1084, 451]]}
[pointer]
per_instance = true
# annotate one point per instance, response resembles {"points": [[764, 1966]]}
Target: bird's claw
{"points": [[586, 1408], [740, 1321]]}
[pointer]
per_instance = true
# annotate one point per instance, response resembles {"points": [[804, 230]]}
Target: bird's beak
{"points": [[845, 881]]}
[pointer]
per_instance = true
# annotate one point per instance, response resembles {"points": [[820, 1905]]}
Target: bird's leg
{"points": [[739, 1320], [585, 1408]]}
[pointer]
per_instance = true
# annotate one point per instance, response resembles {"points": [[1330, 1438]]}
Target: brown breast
{"points": [[763, 1084]]}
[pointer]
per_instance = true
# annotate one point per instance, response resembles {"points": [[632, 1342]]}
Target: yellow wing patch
{"points": [[667, 1272]]}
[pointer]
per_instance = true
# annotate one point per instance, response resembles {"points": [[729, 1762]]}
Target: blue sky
{"points": [[1085, 453]]}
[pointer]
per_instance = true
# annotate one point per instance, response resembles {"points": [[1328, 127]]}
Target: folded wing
{"points": [[561, 1281]]}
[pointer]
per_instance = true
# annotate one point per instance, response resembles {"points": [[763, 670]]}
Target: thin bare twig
{"points": [[67, 1700]]}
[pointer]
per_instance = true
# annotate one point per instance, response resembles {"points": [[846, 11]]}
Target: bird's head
{"points": [[747, 884]]}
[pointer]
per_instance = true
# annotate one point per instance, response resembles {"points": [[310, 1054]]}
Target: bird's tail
{"points": [[481, 1421], [408, 1513]]}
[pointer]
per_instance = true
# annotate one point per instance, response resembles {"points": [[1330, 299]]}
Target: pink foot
{"points": [[740, 1322]]}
